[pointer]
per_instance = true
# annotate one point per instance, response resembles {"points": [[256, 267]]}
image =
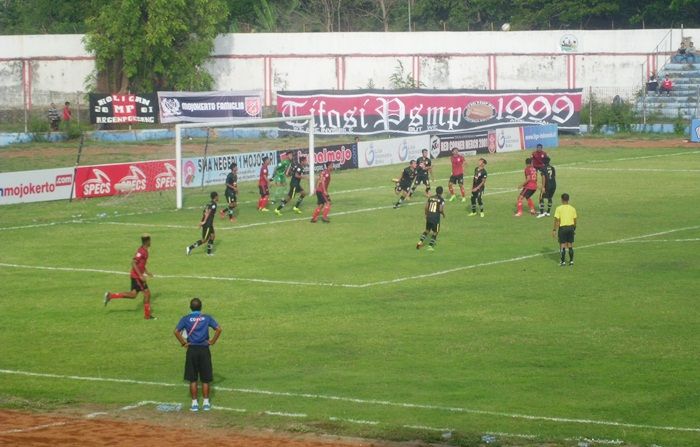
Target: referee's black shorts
{"points": [[198, 364], [566, 234]]}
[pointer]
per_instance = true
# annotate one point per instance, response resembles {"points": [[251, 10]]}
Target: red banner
{"points": [[423, 111], [122, 178]]}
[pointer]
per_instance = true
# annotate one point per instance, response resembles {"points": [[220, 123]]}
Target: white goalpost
{"points": [[306, 122]]}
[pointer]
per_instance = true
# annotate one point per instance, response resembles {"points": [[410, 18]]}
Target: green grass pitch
{"points": [[346, 328]]}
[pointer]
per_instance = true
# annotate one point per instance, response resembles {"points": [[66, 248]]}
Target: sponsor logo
{"points": [[492, 142], [252, 106], [170, 107], [189, 171], [479, 111], [166, 180], [568, 43], [434, 146], [501, 139], [99, 185], [403, 151], [341, 155], [135, 181], [64, 180], [370, 155]]}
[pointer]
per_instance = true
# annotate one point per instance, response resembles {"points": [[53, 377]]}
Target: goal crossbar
{"points": [[238, 123]]}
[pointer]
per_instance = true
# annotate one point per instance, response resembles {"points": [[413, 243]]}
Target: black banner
{"points": [[423, 111], [123, 109], [202, 107], [476, 143]]}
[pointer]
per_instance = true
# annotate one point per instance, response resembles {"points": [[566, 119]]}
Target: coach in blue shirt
{"points": [[193, 333]]}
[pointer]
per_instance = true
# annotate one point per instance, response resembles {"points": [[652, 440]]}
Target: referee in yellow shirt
{"points": [[565, 222]]}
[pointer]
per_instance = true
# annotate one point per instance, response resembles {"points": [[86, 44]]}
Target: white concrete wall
{"points": [[49, 67]]}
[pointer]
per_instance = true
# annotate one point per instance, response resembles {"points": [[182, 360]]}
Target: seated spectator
{"points": [[681, 54], [690, 53], [666, 86], [653, 83]]}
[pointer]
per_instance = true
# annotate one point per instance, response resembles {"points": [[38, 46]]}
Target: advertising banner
{"points": [[469, 144], [203, 107], [509, 139], [547, 135], [35, 186], [391, 151], [214, 169], [695, 130], [123, 109], [113, 179], [423, 111], [343, 156]]}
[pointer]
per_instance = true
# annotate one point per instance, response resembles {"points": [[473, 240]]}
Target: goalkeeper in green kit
{"points": [[279, 177]]}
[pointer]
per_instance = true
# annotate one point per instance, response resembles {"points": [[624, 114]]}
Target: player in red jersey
{"points": [[324, 200], [264, 185], [138, 279], [528, 188], [457, 177], [538, 157]]}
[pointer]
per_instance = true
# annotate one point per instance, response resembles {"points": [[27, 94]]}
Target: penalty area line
{"points": [[359, 401]]}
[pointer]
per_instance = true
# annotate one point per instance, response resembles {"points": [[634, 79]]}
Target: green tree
{"points": [[147, 45]]}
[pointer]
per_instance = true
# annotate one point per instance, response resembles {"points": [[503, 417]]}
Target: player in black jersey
{"points": [[231, 193], [424, 173], [434, 209], [478, 187], [405, 182], [207, 224], [549, 186], [295, 189]]}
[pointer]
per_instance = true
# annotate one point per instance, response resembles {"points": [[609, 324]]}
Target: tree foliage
{"points": [[154, 44]]}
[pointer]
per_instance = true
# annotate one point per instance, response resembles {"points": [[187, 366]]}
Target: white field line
{"points": [[353, 286], [662, 240], [354, 421], [36, 427], [349, 191], [579, 168], [520, 258], [361, 401], [423, 427], [286, 415]]}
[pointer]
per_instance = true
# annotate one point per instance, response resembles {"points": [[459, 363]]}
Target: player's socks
{"points": [[147, 311], [282, 204], [571, 254], [541, 206], [326, 210], [116, 296], [520, 207], [531, 205], [316, 212], [432, 241], [563, 254], [549, 205], [296, 205], [209, 247], [451, 189]]}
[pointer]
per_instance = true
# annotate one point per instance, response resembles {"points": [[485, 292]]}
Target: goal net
{"points": [[205, 151]]}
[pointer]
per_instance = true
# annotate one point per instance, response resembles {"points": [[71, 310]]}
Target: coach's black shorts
{"points": [[527, 193], [321, 199], [432, 226], [566, 234], [549, 192], [198, 364], [457, 179], [138, 285], [207, 232], [264, 190], [294, 190], [230, 197]]}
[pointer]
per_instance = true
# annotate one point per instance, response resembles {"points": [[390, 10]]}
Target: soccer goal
{"points": [[204, 151]]}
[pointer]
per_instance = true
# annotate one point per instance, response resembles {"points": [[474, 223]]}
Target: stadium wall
{"points": [[38, 69]]}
